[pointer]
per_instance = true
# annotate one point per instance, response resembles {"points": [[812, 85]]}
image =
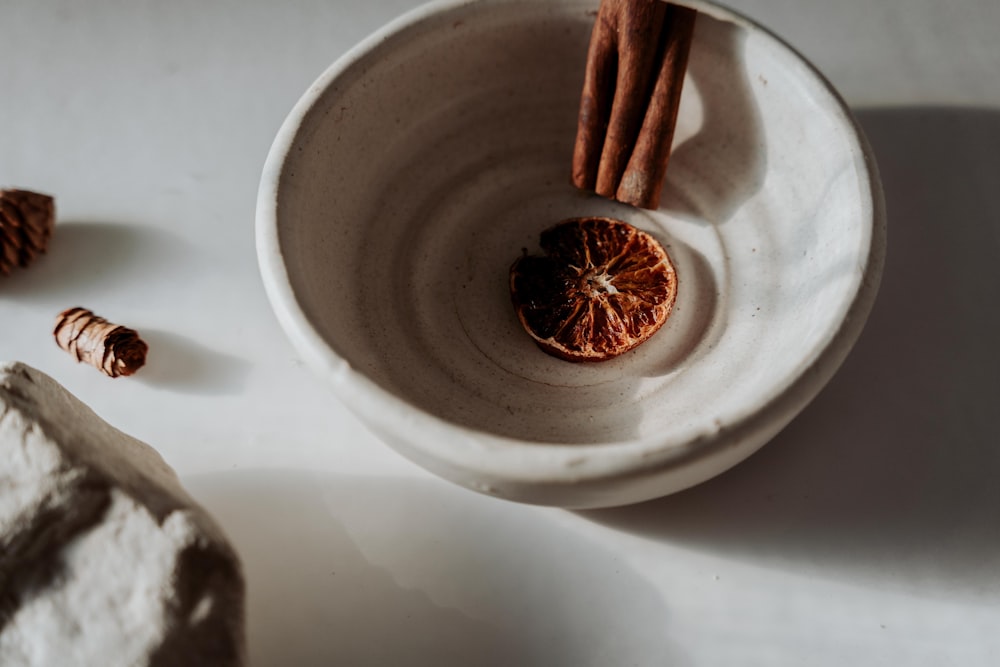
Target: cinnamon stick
{"points": [[628, 108], [110, 348]]}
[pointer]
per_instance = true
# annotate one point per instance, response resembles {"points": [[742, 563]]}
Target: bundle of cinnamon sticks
{"points": [[632, 88]]}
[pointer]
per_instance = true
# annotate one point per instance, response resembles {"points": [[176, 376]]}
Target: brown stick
{"points": [[647, 168], [638, 20], [110, 348], [596, 99], [625, 130]]}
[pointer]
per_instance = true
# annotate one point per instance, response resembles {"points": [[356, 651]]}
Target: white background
{"points": [[867, 533]]}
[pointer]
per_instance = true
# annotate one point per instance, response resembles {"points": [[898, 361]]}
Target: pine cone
{"points": [[26, 223], [110, 348]]}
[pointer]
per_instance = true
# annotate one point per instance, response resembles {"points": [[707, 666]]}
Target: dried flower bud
{"points": [[26, 223], [112, 349]]}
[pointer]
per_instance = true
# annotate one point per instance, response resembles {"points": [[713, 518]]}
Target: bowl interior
{"points": [[430, 159]]}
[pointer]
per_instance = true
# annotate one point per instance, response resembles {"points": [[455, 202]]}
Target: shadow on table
{"points": [[87, 259], [182, 364], [376, 571], [892, 475]]}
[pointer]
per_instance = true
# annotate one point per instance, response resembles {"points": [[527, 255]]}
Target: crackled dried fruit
{"points": [[110, 348], [26, 223], [601, 288]]}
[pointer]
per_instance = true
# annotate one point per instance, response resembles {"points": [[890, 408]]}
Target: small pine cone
{"points": [[110, 348], [26, 223]]}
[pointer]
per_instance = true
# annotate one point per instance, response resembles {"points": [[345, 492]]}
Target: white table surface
{"points": [[867, 533]]}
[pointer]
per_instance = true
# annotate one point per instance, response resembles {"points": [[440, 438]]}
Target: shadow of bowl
{"points": [[889, 477]]}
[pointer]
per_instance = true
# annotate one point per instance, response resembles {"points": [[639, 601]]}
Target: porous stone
{"points": [[104, 558]]}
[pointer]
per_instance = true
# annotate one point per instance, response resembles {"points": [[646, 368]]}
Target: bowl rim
{"points": [[480, 459]]}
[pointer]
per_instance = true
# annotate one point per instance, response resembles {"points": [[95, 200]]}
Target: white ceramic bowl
{"points": [[412, 173]]}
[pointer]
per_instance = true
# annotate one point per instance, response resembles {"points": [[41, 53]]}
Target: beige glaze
{"points": [[417, 168]]}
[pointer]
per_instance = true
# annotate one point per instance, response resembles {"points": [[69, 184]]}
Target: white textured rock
{"points": [[104, 559]]}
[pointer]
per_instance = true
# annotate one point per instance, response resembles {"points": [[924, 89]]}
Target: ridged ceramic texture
{"points": [[417, 169]]}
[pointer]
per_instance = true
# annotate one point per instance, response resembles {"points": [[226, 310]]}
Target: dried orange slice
{"points": [[601, 288]]}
